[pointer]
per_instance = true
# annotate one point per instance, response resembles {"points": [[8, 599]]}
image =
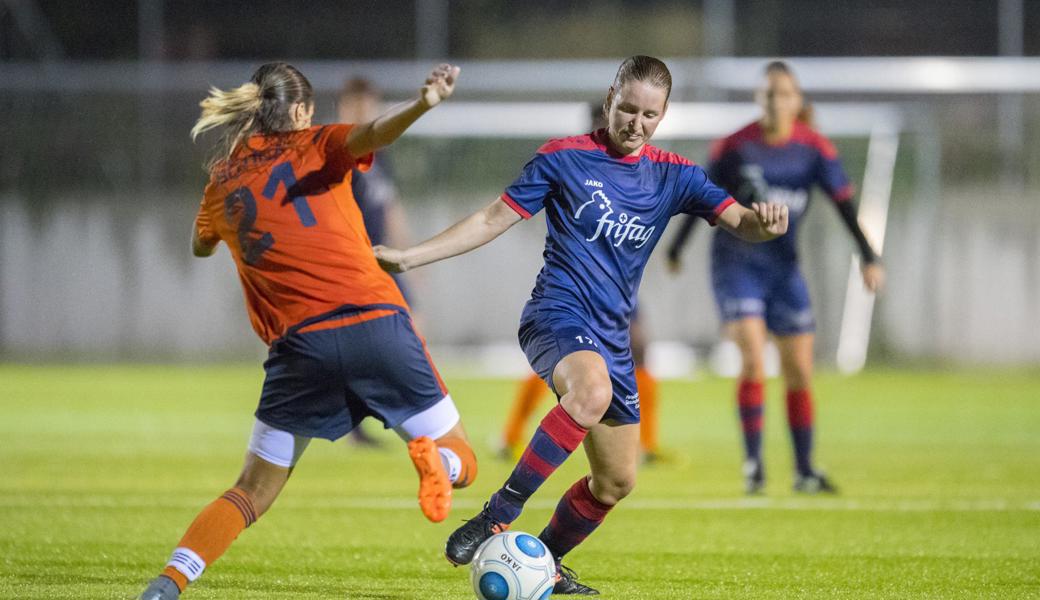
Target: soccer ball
{"points": [[513, 566]]}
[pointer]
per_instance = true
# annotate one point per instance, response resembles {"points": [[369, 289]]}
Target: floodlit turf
{"points": [[103, 468]]}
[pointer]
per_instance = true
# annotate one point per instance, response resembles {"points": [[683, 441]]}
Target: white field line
{"points": [[405, 503]]}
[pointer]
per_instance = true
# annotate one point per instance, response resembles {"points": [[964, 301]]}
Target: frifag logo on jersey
{"points": [[616, 230]]}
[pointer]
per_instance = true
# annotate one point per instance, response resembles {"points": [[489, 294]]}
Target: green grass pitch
{"points": [[103, 468]]}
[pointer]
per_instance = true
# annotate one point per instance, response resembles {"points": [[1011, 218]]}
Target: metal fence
{"points": [[98, 184]]}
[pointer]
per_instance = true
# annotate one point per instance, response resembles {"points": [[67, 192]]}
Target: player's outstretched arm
{"points": [[472, 232], [387, 127], [760, 223], [873, 272]]}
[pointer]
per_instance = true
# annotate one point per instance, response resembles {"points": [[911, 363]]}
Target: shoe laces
{"points": [[490, 525], [563, 572]]}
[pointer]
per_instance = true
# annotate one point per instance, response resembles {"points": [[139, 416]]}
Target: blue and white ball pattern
{"points": [[513, 566]]}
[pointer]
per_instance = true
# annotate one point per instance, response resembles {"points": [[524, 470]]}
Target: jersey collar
{"points": [[602, 141]]}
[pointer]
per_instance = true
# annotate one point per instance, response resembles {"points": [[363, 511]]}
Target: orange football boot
{"points": [[434, 486]]}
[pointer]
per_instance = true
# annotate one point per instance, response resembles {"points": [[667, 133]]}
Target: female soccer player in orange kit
{"points": [[759, 289], [342, 344]]}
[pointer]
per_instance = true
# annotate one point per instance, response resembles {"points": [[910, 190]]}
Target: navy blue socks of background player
{"points": [[749, 405], [800, 420]]}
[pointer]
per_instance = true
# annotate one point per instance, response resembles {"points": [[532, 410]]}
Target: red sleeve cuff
{"points": [[515, 206], [720, 209], [844, 194]]}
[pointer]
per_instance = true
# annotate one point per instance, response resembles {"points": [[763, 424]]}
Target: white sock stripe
{"points": [[453, 462], [187, 562]]}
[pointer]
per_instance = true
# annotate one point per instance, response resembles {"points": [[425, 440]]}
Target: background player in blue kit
{"points": [[375, 190], [608, 196], [377, 196], [760, 287]]}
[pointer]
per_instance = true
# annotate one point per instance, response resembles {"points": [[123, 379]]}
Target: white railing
{"points": [[888, 75]]}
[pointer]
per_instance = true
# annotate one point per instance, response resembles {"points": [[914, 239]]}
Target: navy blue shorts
{"points": [[323, 379], [776, 293], [546, 336]]}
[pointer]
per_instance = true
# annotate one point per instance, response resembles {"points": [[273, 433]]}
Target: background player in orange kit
{"points": [[342, 344]]}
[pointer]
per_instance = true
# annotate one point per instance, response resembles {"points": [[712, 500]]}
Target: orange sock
{"points": [[527, 398], [647, 385], [462, 449], [209, 535]]}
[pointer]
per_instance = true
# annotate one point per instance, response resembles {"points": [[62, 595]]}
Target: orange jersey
{"points": [[284, 206]]}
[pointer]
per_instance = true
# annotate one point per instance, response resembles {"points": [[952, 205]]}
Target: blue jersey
{"points": [[753, 170], [605, 213], [375, 192]]}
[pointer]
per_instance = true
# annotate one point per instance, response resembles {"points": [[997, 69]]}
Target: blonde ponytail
{"points": [[260, 106], [224, 108]]}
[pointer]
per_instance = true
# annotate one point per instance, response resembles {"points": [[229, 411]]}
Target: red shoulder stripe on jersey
{"points": [[752, 132], [655, 154], [513, 204], [717, 149], [720, 209], [577, 142], [589, 141], [805, 134], [594, 141]]}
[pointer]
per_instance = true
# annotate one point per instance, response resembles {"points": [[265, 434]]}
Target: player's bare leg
{"points": [[583, 381], [796, 364], [217, 526], [750, 335]]}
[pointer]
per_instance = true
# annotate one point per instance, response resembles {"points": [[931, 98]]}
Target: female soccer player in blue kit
{"points": [[608, 196], [760, 287]]}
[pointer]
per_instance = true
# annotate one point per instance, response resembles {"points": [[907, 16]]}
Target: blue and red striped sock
{"points": [[556, 437], [749, 404], [577, 515], [800, 420]]}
